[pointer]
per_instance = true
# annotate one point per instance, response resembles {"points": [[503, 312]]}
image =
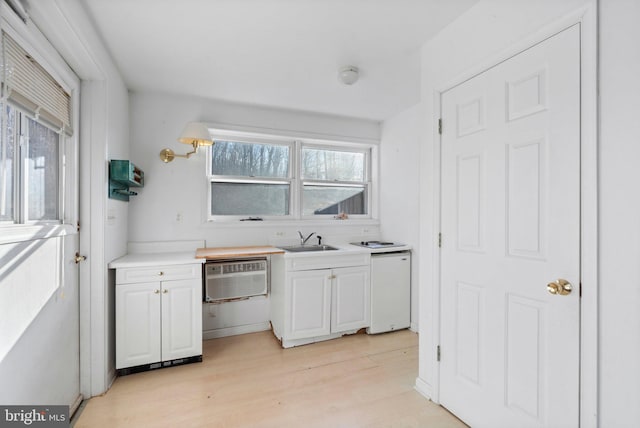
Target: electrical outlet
{"points": [[365, 230], [280, 234], [179, 217]]}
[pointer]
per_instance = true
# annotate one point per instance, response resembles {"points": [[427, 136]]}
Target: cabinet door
{"points": [[137, 324], [350, 295], [181, 319], [309, 295]]}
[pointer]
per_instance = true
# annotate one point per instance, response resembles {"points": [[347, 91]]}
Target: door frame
{"points": [[586, 17]]}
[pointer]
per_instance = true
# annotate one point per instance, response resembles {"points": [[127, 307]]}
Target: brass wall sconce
{"points": [[196, 134]]}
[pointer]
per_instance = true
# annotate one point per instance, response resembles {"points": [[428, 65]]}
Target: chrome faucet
{"points": [[304, 240]]}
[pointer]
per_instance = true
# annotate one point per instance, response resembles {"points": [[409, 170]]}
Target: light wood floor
{"points": [[250, 381]]}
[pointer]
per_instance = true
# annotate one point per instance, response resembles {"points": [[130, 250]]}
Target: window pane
{"points": [[7, 161], [318, 164], [250, 160], [333, 200], [42, 172], [249, 199]]}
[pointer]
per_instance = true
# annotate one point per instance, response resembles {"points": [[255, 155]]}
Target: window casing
{"points": [[249, 179], [334, 181], [31, 170], [277, 179], [36, 139]]}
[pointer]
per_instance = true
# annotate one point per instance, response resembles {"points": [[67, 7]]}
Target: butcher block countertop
{"points": [[226, 252]]}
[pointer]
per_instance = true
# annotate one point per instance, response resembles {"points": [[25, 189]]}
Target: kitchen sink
{"points": [[308, 248]]}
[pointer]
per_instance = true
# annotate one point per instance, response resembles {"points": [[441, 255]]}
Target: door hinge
{"points": [[78, 227], [439, 240], [438, 353], [440, 126]]}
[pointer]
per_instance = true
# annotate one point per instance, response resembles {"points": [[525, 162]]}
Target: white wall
{"points": [[487, 29], [116, 218], [399, 188], [619, 213], [173, 203]]}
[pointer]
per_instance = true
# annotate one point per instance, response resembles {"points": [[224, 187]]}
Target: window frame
{"points": [[48, 57], [20, 188], [336, 147], [251, 139], [296, 183]]}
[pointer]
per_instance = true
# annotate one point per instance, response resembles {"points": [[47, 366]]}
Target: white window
{"points": [[29, 170], [35, 122], [266, 179], [250, 179], [334, 181]]}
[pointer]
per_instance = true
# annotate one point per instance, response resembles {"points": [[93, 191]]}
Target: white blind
{"points": [[27, 84]]}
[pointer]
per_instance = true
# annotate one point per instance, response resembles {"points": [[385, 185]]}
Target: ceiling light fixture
{"points": [[196, 134], [348, 75]]}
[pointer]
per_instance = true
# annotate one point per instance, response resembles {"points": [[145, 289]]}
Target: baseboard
{"points": [[424, 389], [234, 331], [414, 327], [159, 365], [76, 405], [298, 342]]}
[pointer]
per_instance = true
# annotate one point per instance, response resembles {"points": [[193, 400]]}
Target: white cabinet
{"points": [[317, 304], [158, 314], [138, 331], [181, 319], [310, 303], [350, 299]]}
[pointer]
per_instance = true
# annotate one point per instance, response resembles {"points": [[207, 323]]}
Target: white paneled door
{"points": [[510, 240]]}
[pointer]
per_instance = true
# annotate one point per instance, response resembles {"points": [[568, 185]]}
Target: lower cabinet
{"points": [[310, 304], [350, 299], [328, 301], [319, 303], [158, 321]]}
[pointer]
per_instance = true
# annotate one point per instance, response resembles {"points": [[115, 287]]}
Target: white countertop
{"points": [[403, 247], [155, 259], [344, 248], [187, 257]]}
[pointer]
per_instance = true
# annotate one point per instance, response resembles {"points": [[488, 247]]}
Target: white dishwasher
{"points": [[390, 291]]}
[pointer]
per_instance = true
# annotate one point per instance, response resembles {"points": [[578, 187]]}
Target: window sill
{"points": [[293, 223], [31, 232]]}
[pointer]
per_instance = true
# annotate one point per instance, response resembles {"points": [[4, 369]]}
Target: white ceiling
{"points": [[280, 53]]}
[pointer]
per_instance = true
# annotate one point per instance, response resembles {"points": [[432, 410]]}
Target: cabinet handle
{"points": [[156, 292], [165, 291], [160, 273]]}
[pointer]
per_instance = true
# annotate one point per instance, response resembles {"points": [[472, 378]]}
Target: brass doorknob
{"points": [[561, 287]]}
